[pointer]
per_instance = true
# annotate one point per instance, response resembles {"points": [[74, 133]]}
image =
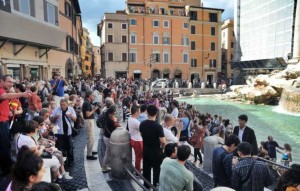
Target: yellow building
{"points": [[86, 53], [227, 48]]}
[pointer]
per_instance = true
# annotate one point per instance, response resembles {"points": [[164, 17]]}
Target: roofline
{"points": [[209, 8]]}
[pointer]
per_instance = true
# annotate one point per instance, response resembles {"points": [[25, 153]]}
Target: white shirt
{"points": [[98, 97], [241, 132], [59, 122], [170, 138], [175, 112], [134, 129], [25, 140]]}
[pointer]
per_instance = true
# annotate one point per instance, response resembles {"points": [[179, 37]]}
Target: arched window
{"points": [[155, 38]]}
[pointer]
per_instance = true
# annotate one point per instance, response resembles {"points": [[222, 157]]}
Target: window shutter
{"points": [[16, 5], [56, 15], [32, 8], [45, 11]]}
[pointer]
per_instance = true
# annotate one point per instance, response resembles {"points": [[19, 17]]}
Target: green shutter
{"points": [[32, 8], [16, 5]]}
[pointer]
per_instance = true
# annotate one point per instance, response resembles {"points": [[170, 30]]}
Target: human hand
{"points": [[180, 126], [235, 160], [26, 94]]}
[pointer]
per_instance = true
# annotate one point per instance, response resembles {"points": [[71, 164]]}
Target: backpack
{"points": [[41, 95], [101, 122]]}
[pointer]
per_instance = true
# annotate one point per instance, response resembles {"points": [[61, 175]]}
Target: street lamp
{"points": [[150, 63]]}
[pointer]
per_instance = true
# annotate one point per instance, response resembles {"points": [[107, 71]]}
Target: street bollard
{"points": [[120, 148]]}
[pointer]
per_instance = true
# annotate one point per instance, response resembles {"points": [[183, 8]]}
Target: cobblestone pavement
{"points": [[77, 171]]}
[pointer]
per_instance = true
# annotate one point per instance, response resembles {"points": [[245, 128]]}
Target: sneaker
{"points": [[67, 176], [91, 158], [105, 169]]}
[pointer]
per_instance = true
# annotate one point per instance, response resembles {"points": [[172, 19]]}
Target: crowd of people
{"points": [[41, 119]]}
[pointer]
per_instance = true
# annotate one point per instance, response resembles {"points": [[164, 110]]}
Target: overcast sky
{"points": [[92, 12]]}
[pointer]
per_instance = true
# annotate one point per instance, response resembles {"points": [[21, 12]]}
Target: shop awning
{"points": [[137, 71], [275, 63]]}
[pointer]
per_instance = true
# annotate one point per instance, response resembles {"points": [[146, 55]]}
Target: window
{"points": [[157, 57], [166, 39], [51, 13], [213, 17], [166, 57], [185, 25], [133, 22], [25, 6], [155, 38], [124, 39], [132, 57], [109, 25], [110, 56], [193, 63], [232, 44], [110, 38], [70, 43], [193, 15], [68, 10], [193, 45], [155, 23], [213, 31], [193, 29], [223, 45], [212, 46], [185, 57], [166, 24], [133, 38], [124, 26], [232, 33], [86, 58], [185, 41], [124, 57], [213, 63], [86, 67]]}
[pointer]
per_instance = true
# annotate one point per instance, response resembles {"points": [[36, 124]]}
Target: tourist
{"points": [[111, 123], [153, 143], [199, 133], [221, 162], [169, 122], [45, 186], [34, 103], [89, 123], [286, 158], [171, 150], [126, 106], [57, 88], [28, 170], [185, 132], [143, 115], [136, 140], [64, 117], [174, 106], [290, 180], [271, 146], [246, 134], [174, 175], [248, 174]]}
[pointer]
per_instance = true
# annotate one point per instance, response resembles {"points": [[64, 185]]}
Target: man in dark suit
{"points": [[246, 134]]}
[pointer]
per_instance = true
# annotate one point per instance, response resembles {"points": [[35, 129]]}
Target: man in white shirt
{"points": [[174, 107], [136, 139], [169, 122], [97, 96]]}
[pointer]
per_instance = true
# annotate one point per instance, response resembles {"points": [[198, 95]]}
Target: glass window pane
{"points": [[25, 7]]}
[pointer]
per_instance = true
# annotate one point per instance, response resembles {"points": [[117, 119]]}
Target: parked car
{"points": [[159, 83]]}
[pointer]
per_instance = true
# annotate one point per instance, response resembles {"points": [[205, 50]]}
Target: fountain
{"points": [[281, 87]]}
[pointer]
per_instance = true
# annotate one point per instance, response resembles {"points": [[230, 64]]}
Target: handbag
{"points": [[193, 139], [46, 155]]}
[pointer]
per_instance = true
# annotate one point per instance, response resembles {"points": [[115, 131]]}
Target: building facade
{"points": [[113, 31], [96, 61], [86, 50], [227, 47], [36, 36], [264, 30]]}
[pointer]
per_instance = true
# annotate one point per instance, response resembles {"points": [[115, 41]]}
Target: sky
{"points": [[92, 12]]}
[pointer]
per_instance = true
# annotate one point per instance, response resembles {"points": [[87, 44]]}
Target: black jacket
{"points": [[248, 136]]}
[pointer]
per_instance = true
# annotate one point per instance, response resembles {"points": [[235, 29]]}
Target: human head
{"points": [[63, 104], [169, 120], [232, 142], [243, 120], [143, 108], [28, 170], [135, 111], [39, 120], [30, 127], [290, 178], [287, 147], [89, 95], [44, 113], [112, 110], [183, 152], [171, 150], [45, 186], [270, 138], [152, 110], [174, 104], [33, 89], [19, 88], [108, 102], [6, 82], [244, 149]]}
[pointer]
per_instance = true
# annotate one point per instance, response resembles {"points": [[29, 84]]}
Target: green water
{"points": [[284, 128]]}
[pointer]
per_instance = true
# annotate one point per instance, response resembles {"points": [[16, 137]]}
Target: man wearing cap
{"points": [[89, 123], [57, 86]]}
